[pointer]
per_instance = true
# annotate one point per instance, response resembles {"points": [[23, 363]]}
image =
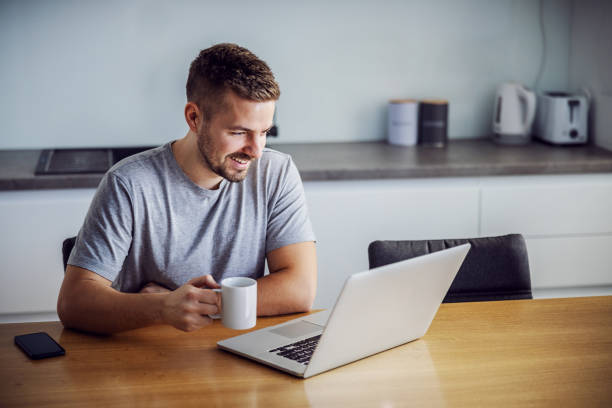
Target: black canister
{"points": [[433, 122]]}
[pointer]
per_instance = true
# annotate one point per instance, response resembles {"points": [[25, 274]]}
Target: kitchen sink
{"points": [[80, 161]]}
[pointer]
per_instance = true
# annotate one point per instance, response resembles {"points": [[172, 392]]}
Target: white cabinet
{"points": [[34, 225], [570, 261], [566, 221], [551, 205], [348, 215]]}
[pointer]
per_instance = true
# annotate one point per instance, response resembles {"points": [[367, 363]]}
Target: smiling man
{"points": [[167, 224]]}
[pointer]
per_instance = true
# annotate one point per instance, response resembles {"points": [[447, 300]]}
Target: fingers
{"points": [[198, 281], [205, 309], [193, 322], [205, 281], [200, 304], [188, 307], [202, 295], [211, 282], [203, 301]]}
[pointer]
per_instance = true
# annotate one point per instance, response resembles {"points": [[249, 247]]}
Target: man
{"points": [[166, 225]]}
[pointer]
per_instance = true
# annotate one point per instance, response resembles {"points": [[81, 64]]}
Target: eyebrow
{"points": [[247, 129]]}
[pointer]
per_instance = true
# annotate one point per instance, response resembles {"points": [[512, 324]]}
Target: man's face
{"points": [[234, 136]]}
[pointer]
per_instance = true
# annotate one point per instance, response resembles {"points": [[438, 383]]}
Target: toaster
{"points": [[561, 118]]}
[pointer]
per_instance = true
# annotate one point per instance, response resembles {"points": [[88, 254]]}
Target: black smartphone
{"points": [[39, 345]]}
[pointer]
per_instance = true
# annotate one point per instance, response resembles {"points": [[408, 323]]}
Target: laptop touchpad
{"points": [[297, 329]]}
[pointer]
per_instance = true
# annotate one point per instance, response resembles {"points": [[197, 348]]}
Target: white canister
{"points": [[403, 122]]}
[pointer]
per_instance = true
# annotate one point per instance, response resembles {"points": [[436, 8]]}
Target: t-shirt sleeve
{"points": [[288, 222], [105, 238]]}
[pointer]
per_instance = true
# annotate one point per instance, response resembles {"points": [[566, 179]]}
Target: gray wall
{"points": [[591, 63], [101, 73]]}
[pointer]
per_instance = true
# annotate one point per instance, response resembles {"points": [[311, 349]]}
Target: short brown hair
{"points": [[225, 67]]}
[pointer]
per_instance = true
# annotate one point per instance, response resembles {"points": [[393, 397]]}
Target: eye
{"points": [[237, 133]]}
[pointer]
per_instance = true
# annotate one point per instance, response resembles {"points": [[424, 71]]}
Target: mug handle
{"points": [[218, 315]]}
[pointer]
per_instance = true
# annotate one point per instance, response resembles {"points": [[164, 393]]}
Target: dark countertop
{"points": [[474, 157], [368, 160]]}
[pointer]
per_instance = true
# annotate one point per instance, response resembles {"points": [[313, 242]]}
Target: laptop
{"points": [[376, 310]]}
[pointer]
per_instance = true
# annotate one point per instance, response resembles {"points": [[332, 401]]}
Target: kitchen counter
{"points": [[367, 160]]}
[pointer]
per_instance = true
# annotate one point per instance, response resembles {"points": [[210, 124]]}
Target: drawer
{"points": [[576, 206], [570, 261]]}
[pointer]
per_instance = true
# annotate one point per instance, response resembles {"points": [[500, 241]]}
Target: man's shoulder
{"points": [[271, 154], [274, 159], [275, 170], [147, 162]]}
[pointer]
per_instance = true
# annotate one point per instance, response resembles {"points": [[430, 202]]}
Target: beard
{"points": [[220, 167]]}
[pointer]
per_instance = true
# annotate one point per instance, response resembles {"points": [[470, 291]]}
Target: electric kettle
{"points": [[513, 114]]}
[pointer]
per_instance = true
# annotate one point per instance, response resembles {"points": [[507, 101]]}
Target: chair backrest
{"points": [[67, 246], [496, 268]]}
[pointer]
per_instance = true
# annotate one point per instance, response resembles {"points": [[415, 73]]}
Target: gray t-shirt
{"points": [[148, 222]]}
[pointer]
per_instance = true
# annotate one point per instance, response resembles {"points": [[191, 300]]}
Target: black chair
{"points": [[496, 268], [67, 246]]}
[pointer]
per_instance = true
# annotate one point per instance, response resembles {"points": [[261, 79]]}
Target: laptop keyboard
{"points": [[300, 351]]}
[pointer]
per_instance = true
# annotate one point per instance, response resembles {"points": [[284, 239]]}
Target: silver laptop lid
{"points": [[385, 307]]}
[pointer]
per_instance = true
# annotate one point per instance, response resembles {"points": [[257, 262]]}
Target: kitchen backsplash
{"points": [[113, 73]]}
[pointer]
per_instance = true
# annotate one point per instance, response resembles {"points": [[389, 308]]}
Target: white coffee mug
{"points": [[239, 303]]}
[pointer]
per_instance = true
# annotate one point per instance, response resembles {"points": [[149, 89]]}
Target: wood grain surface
{"points": [[547, 352]]}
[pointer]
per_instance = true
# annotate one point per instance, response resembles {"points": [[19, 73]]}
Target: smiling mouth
{"points": [[241, 161]]}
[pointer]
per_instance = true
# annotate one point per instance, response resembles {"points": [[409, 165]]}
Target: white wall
{"points": [[591, 63], [101, 73]]}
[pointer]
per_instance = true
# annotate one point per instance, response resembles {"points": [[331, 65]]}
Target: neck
{"points": [[189, 159]]}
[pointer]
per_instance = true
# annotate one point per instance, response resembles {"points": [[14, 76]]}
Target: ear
{"points": [[193, 116]]}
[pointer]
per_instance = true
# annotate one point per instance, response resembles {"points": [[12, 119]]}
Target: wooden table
{"points": [[547, 352]]}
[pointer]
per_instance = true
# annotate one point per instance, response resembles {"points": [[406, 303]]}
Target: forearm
{"points": [[291, 285], [106, 310], [283, 292]]}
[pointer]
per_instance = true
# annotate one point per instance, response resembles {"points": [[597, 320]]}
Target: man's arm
{"points": [[88, 302], [291, 285]]}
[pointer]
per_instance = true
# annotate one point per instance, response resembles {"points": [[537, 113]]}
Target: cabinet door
{"points": [[34, 225], [548, 206], [566, 221], [558, 262], [348, 215]]}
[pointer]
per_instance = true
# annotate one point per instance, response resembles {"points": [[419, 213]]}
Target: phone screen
{"points": [[39, 345]]}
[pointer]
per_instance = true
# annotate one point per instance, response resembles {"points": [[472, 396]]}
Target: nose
{"points": [[255, 145]]}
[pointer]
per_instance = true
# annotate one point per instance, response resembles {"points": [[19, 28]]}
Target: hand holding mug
{"points": [[187, 308]]}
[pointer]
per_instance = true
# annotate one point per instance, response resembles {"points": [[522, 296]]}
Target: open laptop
{"points": [[377, 310]]}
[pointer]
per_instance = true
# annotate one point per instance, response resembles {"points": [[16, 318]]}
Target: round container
{"points": [[403, 122], [433, 122]]}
